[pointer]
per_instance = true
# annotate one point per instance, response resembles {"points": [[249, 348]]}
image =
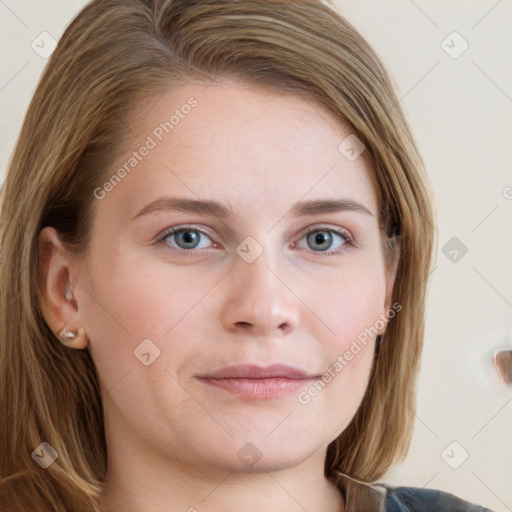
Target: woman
{"points": [[173, 338]]}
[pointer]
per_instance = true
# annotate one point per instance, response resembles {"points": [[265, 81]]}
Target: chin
{"points": [[257, 454], [250, 459]]}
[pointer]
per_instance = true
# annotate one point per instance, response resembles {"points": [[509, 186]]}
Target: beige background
{"points": [[460, 111]]}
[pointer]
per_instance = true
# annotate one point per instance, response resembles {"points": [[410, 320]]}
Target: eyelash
{"points": [[341, 232]]}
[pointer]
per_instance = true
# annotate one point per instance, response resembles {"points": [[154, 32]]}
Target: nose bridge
{"points": [[257, 299], [257, 274]]}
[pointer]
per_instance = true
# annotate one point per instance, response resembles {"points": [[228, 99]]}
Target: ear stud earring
{"points": [[66, 336], [72, 338]]}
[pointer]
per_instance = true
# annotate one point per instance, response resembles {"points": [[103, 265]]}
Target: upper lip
{"points": [[250, 371]]}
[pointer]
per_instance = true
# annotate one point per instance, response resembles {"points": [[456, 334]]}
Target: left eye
{"points": [[322, 240]]}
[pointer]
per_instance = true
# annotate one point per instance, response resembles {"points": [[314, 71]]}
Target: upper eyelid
{"points": [[338, 230], [175, 229]]}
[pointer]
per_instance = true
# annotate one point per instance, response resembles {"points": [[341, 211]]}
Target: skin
{"points": [[172, 438]]}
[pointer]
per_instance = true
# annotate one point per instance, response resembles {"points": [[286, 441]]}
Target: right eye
{"points": [[184, 238]]}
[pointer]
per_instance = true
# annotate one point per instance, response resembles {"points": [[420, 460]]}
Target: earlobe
{"points": [[57, 303]]}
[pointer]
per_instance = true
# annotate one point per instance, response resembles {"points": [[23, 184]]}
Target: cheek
{"points": [[144, 298], [132, 311], [349, 315], [126, 300], [349, 305], [349, 376]]}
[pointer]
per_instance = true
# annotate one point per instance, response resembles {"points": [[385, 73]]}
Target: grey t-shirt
{"points": [[416, 499]]}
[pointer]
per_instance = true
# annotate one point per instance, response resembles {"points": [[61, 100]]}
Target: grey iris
{"points": [[322, 238]]}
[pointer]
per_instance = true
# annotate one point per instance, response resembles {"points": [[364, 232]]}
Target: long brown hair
{"points": [[115, 55]]}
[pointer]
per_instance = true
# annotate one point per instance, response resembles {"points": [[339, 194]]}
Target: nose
{"points": [[258, 301]]}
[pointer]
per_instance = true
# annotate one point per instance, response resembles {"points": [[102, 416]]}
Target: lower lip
{"points": [[259, 389]]}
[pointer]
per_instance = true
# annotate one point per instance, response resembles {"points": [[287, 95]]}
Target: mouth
{"points": [[257, 382]]}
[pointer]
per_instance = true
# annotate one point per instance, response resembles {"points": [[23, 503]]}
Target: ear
{"points": [[57, 302]]}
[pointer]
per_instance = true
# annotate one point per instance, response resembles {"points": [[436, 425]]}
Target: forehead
{"points": [[249, 147]]}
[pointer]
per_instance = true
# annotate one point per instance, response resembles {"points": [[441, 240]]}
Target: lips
{"points": [[252, 382], [247, 371]]}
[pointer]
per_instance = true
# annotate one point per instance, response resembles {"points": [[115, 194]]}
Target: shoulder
{"points": [[417, 499]]}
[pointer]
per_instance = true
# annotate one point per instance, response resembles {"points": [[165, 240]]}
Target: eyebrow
{"points": [[216, 209]]}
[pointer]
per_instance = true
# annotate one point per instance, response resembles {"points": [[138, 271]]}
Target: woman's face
{"points": [[279, 262]]}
